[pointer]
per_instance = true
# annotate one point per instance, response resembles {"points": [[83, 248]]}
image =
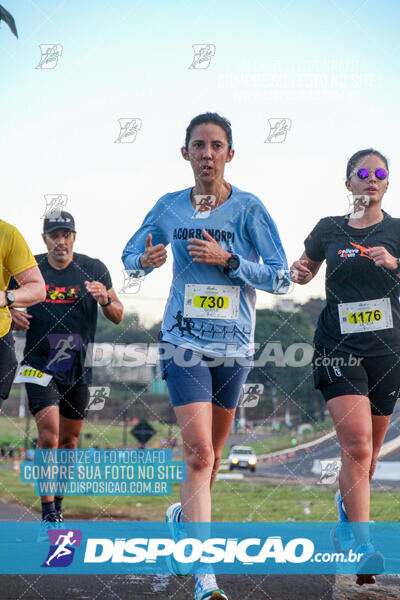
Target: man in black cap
{"points": [[58, 333]]}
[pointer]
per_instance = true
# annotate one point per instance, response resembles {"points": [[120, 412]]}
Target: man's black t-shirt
{"points": [[62, 326], [351, 276]]}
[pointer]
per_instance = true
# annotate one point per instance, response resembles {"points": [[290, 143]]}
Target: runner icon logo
{"points": [[278, 130], [337, 371], [61, 551], [50, 53], [329, 471], [63, 348], [128, 129], [203, 54], [98, 397], [55, 204], [250, 395], [132, 281]]}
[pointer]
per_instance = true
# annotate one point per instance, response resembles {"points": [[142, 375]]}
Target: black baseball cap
{"points": [[65, 221]]}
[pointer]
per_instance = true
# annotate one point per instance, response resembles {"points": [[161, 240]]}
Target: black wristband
{"points": [[107, 303], [396, 271]]}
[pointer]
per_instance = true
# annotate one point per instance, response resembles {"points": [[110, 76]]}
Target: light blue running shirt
{"points": [[208, 310]]}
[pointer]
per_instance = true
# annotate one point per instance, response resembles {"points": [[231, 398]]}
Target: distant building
{"points": [[285, 305]]}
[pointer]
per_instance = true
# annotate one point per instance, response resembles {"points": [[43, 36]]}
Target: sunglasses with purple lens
{"points": [[379, 173]]}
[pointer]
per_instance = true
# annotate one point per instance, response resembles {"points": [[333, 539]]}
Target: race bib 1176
{"points": [[369, 315]]}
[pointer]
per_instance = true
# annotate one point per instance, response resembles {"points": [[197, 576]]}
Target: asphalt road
{"points": [[139, 587], [132, 587], [299, 466]]}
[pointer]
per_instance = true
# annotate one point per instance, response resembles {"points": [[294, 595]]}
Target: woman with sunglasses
{"points": [[218, 233], [356, 363]]}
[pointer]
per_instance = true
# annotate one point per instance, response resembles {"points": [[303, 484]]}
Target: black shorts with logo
{"points": [[8, 365], [72, 399], [338, 373]]}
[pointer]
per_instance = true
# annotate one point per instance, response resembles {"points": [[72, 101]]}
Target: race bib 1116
{"points": [[27, 374]]}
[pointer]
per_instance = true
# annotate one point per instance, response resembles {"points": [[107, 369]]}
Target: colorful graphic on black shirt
{"points": [[63, 294], [69, 310]]}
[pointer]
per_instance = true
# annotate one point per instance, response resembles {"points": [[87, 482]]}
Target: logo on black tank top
{"points": [[357, 250]]}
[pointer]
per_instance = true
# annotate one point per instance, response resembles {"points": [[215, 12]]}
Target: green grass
{"points": [[231, 501], [109, 433], [104, 433]]}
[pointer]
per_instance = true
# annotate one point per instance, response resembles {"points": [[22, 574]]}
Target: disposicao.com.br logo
{"points": [[62, 542], [191, 550], [100, 547]]}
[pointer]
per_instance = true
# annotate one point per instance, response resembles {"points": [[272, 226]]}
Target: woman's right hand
{"points": [[20, 319], [299, 272], [153, 256]]}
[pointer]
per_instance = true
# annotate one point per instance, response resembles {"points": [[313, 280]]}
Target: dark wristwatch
{"points": [[232, 263], [396, 271], [10, 298], [107, 303]]}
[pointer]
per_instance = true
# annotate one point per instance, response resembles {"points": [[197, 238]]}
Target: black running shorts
{"points": [[339, 373], [8, 365], [72, 400]]}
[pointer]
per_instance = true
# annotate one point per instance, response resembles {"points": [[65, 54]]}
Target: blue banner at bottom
{"points": [[237, 548]]}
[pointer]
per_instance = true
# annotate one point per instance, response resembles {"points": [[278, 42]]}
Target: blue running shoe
{"points": [[371, 562], [342, 536], [173, 516], [50, 521], [206, 588]]}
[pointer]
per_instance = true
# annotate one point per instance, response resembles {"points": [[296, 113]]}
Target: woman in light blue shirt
{"points": [[218, 234]]}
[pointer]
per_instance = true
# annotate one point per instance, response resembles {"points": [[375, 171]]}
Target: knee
{"points": [[358, 448], [48, 439], [69, 442], [199, 456]]}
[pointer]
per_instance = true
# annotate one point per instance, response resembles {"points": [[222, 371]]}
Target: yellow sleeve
{"points": [[19, 257]]}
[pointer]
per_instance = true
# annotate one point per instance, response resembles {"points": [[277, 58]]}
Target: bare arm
{"points": [[304, 269], [31, 291], [113, 312]]}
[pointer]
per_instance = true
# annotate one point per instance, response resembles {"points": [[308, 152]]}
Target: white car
{"points": [[242, 457]]}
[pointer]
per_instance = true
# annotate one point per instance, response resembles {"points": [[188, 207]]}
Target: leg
{"points": [[70, 430], [380, 424], [194, 421], [221, 425], [47, 421], [227, 383], [352, 418], [383, 378], [73, 402]]}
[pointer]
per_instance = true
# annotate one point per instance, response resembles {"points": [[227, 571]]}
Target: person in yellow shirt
{"points": [[16, 260]]}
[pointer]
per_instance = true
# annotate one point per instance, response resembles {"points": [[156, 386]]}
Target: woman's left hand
{"points": [[207, 251], [382, 258]]}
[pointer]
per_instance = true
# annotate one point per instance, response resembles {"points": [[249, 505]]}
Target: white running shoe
{"points": [[206, 588]]}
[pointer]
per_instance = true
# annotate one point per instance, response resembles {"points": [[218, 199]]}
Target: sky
{"points": [[330, 68]]}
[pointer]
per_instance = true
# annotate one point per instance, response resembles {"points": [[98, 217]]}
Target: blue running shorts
{"points": [[201, 382]]}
